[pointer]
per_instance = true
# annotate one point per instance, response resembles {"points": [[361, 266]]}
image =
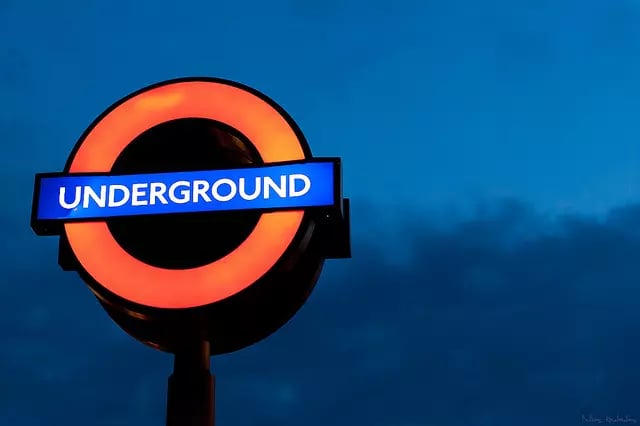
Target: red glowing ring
{"points": [[110, 265]]}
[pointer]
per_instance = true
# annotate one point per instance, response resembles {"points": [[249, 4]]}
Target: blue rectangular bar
{"points": [[76, 197]]}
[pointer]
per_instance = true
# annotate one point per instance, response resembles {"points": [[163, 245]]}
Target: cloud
{"points": [[475, 327], [483, 323]]}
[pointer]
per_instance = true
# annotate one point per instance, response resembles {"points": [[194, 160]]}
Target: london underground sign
{"points": [[195, 212], [194, 207]]}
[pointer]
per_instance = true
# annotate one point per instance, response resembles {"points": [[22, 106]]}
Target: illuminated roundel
{"points": [[268, 128]]}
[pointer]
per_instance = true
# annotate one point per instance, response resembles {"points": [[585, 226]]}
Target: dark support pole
{"points": [[191, 394]]}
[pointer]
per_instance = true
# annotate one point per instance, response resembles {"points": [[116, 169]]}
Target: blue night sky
{"points": [[491, 154]]}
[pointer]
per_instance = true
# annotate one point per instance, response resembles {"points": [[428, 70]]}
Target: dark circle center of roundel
{"points": [[192, 239]]}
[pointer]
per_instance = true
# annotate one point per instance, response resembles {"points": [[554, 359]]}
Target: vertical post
{"points": [[191, 392]]}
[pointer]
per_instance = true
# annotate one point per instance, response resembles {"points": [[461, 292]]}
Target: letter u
{"points": [[62, 201]]}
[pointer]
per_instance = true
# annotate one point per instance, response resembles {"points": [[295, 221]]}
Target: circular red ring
{"points": [[119, 272]]}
